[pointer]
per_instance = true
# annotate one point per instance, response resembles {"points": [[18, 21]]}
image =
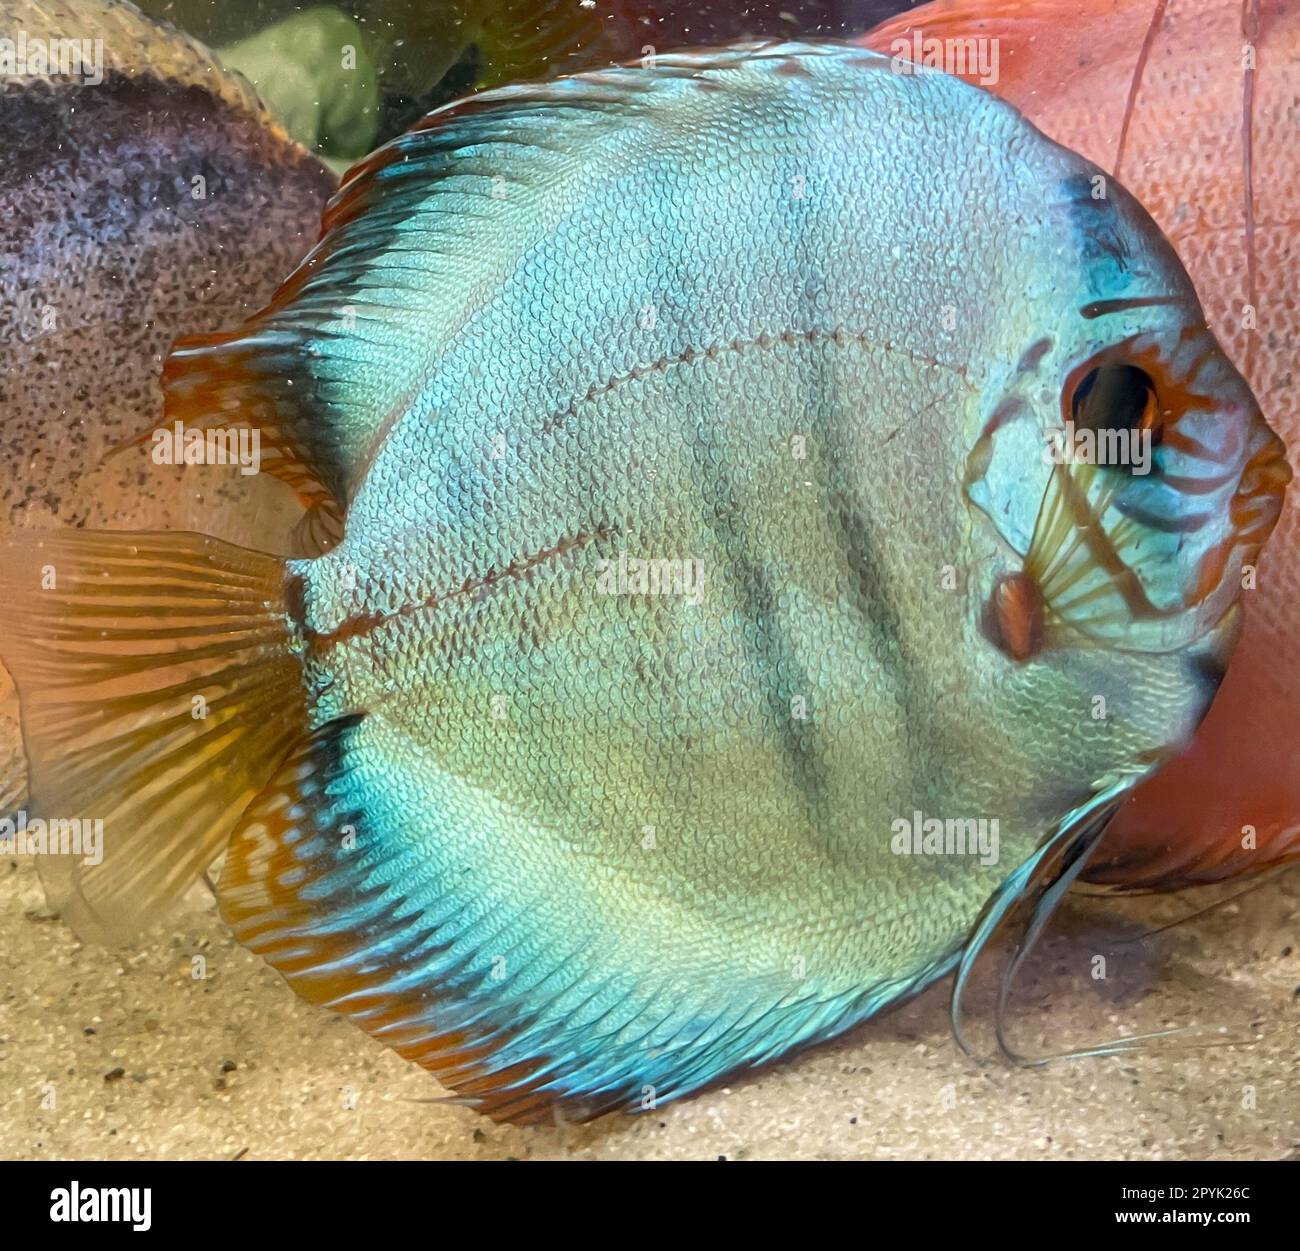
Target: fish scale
{"points": [[576, 842], [1192, 102]]}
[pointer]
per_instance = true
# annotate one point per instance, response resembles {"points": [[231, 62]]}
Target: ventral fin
{"points": [[1032, 893]]}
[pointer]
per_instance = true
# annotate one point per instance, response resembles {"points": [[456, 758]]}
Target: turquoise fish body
{"points": [[685, 432]]}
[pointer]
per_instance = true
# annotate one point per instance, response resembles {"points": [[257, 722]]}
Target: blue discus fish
{"points": [[706, 650]]}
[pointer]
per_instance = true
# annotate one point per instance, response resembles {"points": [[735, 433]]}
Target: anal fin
{"points": [[478, 944], [299, 888]]}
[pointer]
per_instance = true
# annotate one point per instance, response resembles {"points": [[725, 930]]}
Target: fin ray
{"points": [[1038, 885], [161, 732]]}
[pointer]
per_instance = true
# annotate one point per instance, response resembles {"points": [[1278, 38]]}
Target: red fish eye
{"points": [[1116, 397]]}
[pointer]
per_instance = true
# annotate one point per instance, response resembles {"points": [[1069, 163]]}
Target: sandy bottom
{"points": [[127, 1055]]}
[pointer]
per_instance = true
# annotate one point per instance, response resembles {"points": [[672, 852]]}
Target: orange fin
{"points": [[228, 380], [158, 689]]}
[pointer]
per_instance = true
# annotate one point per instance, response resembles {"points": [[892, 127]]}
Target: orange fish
{"points": [[1194, 106]]}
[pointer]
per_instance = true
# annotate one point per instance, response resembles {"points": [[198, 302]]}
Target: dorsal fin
{"points": [[418, 237]]}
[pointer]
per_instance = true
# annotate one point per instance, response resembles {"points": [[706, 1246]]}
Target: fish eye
{"points": [[1118, 398]]}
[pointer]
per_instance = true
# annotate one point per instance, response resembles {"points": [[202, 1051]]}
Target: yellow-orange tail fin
{"points": [[159, 688]]}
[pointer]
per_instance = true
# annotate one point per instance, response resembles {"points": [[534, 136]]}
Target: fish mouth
{"points": [[1149, 556]]}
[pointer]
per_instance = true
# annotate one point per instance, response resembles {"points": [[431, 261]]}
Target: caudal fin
{"points": [[159, 690]]}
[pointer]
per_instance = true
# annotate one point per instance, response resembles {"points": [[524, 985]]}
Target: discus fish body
{"points": [[1192, 104], [577, 835]]}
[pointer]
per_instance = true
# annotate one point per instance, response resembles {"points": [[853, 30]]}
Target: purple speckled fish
{"points": [[146, 195]]}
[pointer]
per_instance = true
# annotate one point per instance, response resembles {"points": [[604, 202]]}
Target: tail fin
{"points": [[160, 688]]}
